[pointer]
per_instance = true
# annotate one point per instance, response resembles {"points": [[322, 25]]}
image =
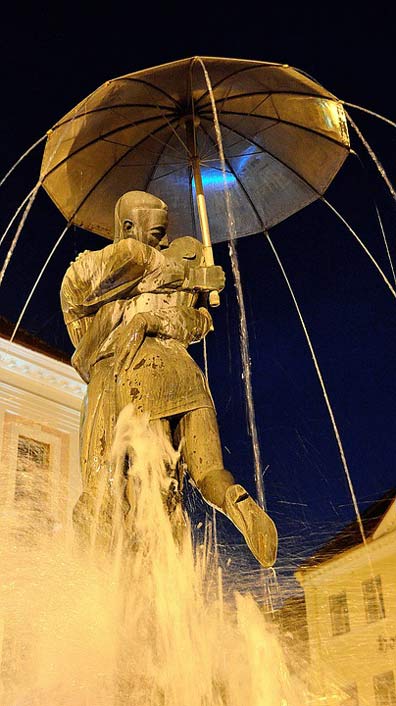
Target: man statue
{"points": [[131, 310]]}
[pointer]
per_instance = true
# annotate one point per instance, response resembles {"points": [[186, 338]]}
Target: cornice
{"points": [[34, 368]]}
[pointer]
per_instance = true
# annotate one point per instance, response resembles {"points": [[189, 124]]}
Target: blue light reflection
{"points": [[215, 179]]}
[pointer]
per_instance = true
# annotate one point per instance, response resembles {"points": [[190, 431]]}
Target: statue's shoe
{"points": [[256, 526]]}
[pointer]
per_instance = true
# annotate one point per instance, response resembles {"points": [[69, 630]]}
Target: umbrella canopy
{"points": [[284, 139]]}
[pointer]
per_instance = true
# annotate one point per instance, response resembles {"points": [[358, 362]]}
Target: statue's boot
{"points": [[256, 526]]}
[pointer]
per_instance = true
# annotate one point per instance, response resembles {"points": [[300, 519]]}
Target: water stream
{"points": [[373, 156], [137, 626], [146, 624], [15, 239], [244, 341], [243, 329]]}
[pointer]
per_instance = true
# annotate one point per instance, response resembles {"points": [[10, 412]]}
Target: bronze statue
{"points": [[131, 310]]}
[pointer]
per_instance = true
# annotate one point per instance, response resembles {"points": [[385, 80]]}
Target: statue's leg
{"points": [[201, 449], [170, 483], [92, 512]]}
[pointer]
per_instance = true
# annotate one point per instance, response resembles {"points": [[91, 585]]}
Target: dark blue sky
{"points": [[52, 58]]}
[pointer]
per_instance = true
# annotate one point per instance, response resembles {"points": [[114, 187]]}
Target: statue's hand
{"points": [[181, 323], [79, 256], [205, 279]]}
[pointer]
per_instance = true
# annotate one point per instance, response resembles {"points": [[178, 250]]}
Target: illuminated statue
{"points": [[131, 310]]}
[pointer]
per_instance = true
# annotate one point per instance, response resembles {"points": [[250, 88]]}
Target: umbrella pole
{"points": [[214, 298]]}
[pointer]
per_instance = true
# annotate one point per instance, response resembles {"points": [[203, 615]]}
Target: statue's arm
{"points": [[97, 278], [182, 323], [118, 269]]}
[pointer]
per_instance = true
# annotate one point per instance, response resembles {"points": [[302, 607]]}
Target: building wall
{"points": [[361, 659], [40, 401]]}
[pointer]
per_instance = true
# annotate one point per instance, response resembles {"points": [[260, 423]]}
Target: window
{"points": [[384, 689], [339, 614], [31, 480], [373, 599], [350, 695]]}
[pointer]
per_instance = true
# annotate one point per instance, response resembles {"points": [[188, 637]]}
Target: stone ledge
{"points": [[35, 367]]}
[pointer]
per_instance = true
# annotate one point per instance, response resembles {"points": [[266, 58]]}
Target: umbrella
{"points": [[284, 139], [240, 145]]}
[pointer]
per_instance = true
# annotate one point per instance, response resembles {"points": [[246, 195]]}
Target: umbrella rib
{"points": [[166, 174], [249, 68], [232, 170], [172, 166], [164, 93], [155, 165], [242, 70], [278, 92], [102, 108], [157, 139], [149, 85], [103, 176], [283, 122], [294, 171], [103, 136]]}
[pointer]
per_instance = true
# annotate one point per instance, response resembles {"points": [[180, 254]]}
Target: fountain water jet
{"points": [[117, 563], [243, 330], [134, 627]]}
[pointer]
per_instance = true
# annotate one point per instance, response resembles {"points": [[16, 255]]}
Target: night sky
{"points": [[52, 57]]}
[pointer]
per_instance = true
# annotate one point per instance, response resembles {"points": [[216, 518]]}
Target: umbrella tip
{"points": [[190, 119]]}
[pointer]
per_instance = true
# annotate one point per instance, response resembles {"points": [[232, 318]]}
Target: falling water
{"points": [[29, 200], [377, 163], [22, 157], [243, 323], [134, 627], [373, 156], [385, 239], [324, 390], [244, 337], [337, 435], [362, 245], [370, 112], [37, 281], [11, 249], [16, 214], [214, 518]]}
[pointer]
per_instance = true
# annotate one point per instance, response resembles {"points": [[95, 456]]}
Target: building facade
{"points": [[40, 401], [350, 599]]}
